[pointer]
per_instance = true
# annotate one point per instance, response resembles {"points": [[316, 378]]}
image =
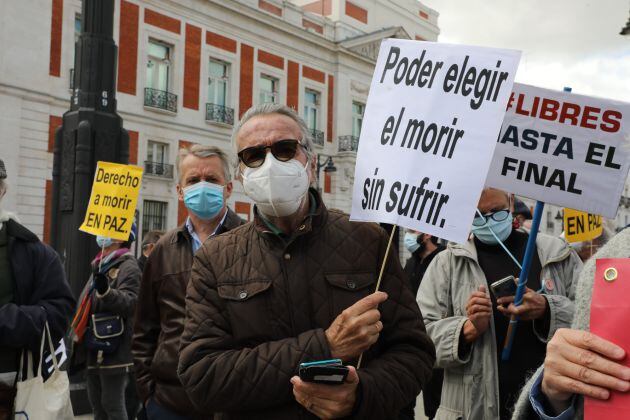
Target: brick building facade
{"points": [[187, 69]]}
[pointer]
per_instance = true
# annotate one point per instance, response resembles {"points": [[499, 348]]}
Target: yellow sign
{"points": [[113, 201], [580, 226]]}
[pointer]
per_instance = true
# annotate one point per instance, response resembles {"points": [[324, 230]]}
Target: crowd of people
{"points": [[216, 316]]}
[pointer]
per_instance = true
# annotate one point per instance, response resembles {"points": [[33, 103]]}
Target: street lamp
{"points": [[328, 166]]}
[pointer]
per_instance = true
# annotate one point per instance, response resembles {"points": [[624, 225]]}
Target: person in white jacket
{"points": [[468, 324]]}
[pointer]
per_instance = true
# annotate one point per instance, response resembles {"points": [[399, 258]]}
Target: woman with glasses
{"points": [[468, 319]]}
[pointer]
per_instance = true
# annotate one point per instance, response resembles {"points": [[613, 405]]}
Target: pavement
{"points": [[419, 412]]}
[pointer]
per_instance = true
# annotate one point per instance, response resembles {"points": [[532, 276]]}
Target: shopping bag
{"points": [[610, 318], [39, 400]]}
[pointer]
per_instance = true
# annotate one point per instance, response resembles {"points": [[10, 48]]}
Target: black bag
{"points": [[105, 332]]}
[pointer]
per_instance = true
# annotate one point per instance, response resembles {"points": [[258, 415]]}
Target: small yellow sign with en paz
{"points": [[580, 226], [113, 201]]}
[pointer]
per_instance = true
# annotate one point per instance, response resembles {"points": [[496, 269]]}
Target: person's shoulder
{"points": [[129, 263], [338, 219], [552, 247], [617, 247], [235, 235], [169, 236], [20, 232]]}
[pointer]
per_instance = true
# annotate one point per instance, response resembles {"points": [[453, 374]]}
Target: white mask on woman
{"points": [[278, 188]]}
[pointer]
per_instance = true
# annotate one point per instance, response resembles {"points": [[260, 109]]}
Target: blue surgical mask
{"points": [[204, 199], [411, 242], [501, 229], [104, 241]]}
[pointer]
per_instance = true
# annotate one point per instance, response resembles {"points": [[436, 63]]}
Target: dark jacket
{"points": [[41, 292], [415, 267], [124, 283], [257, 306], [160, 318]]}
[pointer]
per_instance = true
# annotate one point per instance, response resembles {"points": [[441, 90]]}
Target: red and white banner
{"points": [[564, 149]]}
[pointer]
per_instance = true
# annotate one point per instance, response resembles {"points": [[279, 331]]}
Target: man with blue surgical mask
{"points": [[204, 187], [468, 321]]}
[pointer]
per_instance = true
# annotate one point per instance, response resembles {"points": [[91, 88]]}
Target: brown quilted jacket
{"points": [[257, 306], [159, 320]]}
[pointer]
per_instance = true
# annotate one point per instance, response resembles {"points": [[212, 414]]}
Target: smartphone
{"points": [[328, 372], [504, 287]]}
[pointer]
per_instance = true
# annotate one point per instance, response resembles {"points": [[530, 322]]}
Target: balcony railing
{"points": [[162, 170], [160, 99], [318, 137], [220, 114], [71, 83], [348, 143]]}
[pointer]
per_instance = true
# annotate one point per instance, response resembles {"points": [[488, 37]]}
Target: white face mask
{"points": [[277, 188]]}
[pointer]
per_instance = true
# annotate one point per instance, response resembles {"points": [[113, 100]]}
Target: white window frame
{"points": [[354, 116], [229, 82], [260, 70], [274, 94], [152, 146], [231, 59], [177, 56], [168, 62], [322, 89], [317, 107]]}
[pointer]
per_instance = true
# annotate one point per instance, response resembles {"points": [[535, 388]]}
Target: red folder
{"points": [[610, 319]]}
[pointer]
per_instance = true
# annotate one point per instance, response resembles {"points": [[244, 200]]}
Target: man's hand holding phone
{"points": [[534, 305], [327, 401]]}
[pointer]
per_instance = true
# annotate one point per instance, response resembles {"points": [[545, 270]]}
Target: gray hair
{"points": [[270, 108], [203, 151]]}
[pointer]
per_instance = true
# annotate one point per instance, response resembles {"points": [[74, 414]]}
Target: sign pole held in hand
{"points": [[380, 275], [522, 279]]}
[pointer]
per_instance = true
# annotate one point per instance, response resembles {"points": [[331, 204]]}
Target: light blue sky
{"points": [[564, 42]]}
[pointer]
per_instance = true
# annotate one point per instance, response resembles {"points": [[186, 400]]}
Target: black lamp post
{"points": [[328, 166], [91, 131]]}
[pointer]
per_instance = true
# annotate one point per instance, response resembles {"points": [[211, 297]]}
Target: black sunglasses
{"points": [[283, 150], [497, 216]]}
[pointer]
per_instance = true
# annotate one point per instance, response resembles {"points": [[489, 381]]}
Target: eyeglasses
{"points": [[283, 150], [497, 216]]}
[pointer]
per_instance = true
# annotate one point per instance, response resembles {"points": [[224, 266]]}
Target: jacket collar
{"points": [[313, 220], [17, 231], [550, 249], [231, 221]]}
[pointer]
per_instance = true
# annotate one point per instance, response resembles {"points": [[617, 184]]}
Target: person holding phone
{"points": [[296, 286], [468, 322]]}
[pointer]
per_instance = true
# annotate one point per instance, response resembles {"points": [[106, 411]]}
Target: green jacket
{"points": [[471, 387]]}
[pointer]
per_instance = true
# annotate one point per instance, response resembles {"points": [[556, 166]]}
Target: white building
{"points": [[186, 70]]}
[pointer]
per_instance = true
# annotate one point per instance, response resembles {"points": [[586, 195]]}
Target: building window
{"points": [[157, 152], [156, 91], [153, 216], [77, 26], [157, 160], [218, 90], [268, 87], [357, 118], [311, 109], [158, 66], [218, 82]]}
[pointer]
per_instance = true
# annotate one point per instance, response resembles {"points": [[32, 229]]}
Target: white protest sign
{"points": [[428, 134], [564, 149]]}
